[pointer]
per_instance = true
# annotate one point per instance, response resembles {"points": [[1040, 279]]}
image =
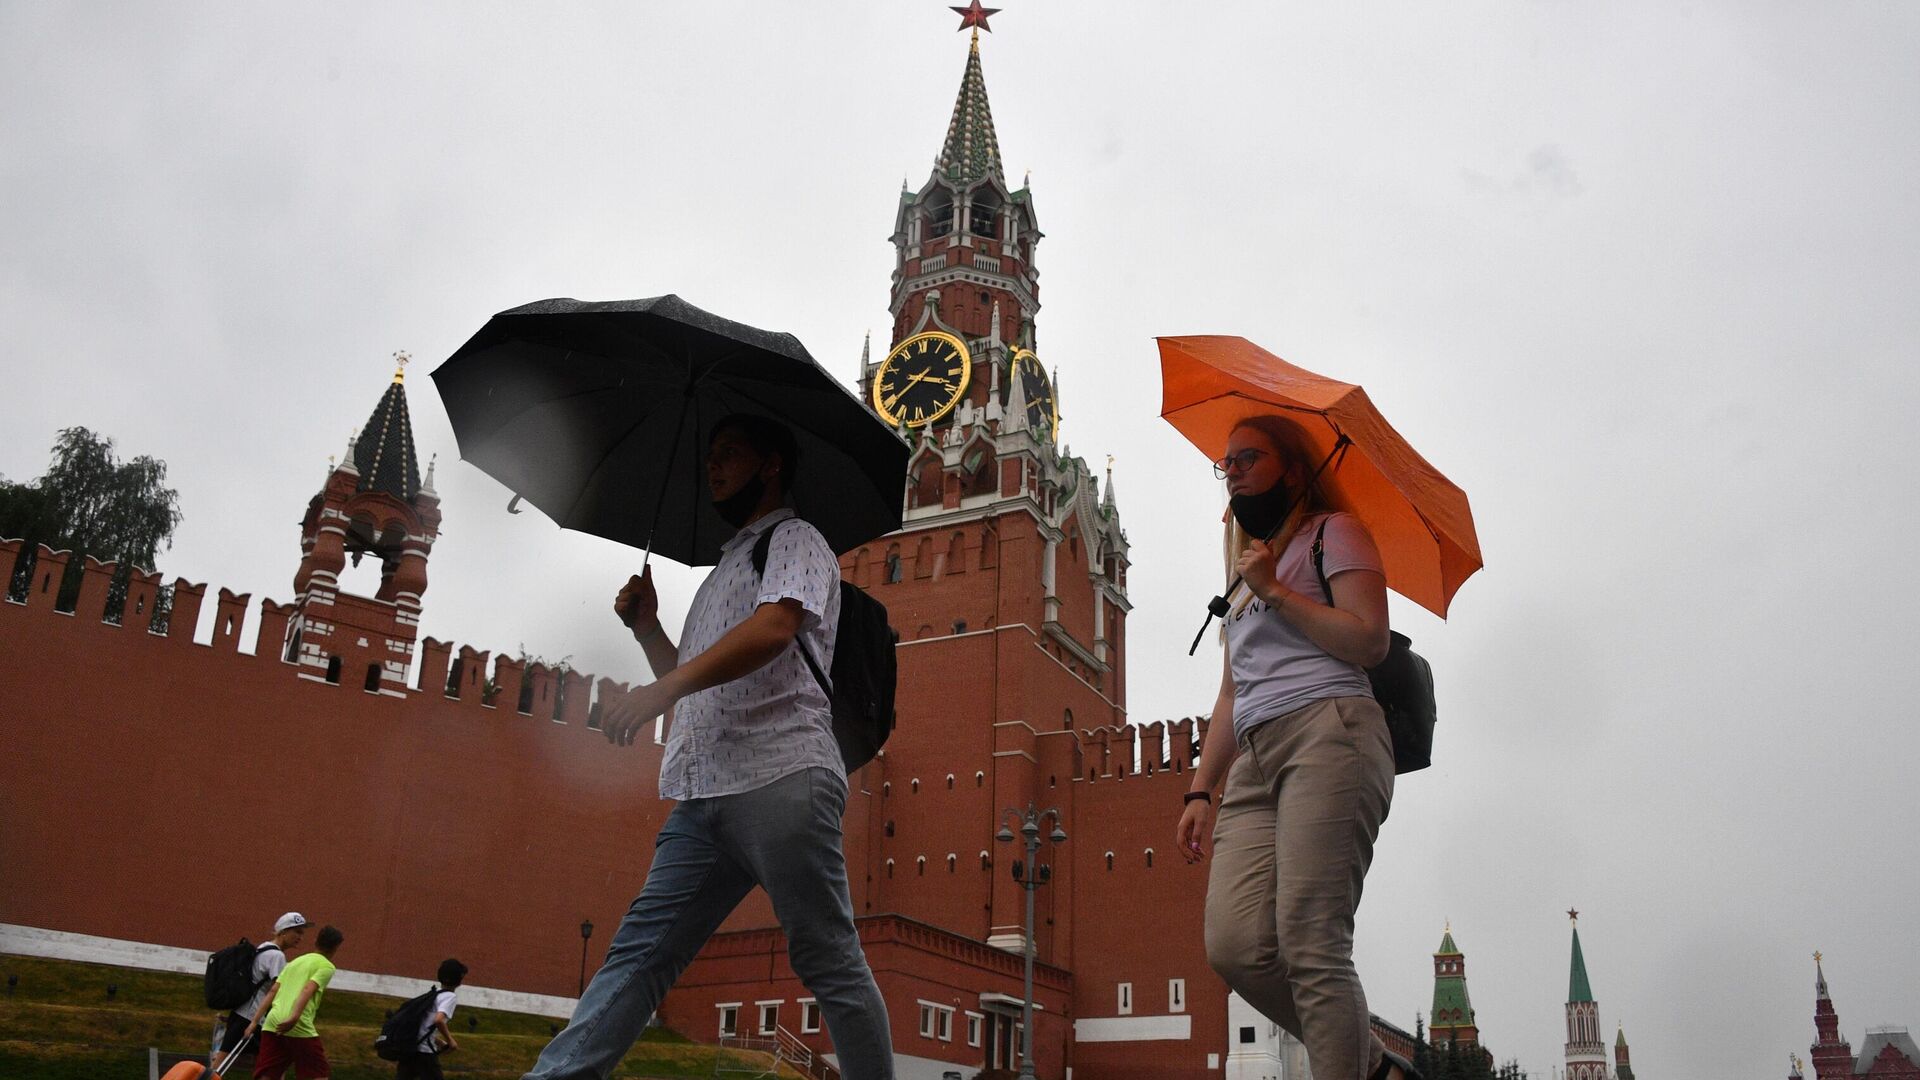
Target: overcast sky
{"points": [[1640, 277]]}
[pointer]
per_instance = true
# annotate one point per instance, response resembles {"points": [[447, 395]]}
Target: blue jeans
{"points": [[784, 837]]}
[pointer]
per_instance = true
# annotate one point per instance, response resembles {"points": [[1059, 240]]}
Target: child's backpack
{"points": [[401, 1033], [230, 982], [864, 669]]}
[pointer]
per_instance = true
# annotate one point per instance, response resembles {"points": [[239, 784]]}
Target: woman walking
{"points": [[1304, 753]]}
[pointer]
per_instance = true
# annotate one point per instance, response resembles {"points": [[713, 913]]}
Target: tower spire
{"points": [[972, 150]]}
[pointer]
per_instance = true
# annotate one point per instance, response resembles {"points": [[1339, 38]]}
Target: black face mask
{"points": [[736, 508], [1260, 514]]}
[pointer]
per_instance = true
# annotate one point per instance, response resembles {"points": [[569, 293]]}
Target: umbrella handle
{"points": [[1217, 608]]}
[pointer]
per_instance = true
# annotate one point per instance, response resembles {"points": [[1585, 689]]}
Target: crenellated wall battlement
{"points": [[439, 671]]}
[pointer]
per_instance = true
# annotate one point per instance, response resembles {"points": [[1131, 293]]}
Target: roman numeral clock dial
{"points": [[1043, 409], [922, 379]]}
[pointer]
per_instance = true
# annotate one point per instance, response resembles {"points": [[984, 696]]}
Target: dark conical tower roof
{"points": [[383, 454], [972, 150]]}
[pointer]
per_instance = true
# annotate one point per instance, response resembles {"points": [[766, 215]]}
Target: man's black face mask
{"points": [[737, 507]]}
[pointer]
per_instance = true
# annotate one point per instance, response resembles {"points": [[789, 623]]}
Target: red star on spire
{"points": [[975, 15]]}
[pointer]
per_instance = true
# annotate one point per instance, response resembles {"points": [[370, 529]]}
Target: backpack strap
{"points": [[760, 549], [1320, 558], [258, 949]]}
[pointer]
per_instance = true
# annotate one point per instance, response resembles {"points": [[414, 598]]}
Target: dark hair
{"points": [[329, 939], [766, 436], [452, 973]]}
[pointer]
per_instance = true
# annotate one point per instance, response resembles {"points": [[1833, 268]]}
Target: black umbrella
{"points": [[599, 414]]}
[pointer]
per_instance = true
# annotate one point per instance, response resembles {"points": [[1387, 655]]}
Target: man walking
{"points": [[287, 1033], [752, 759], [268, 959]]}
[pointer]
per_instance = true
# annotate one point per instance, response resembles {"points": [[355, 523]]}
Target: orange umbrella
{"points": [[1418, 518]]}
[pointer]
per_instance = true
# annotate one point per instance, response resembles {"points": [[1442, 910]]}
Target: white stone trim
{"points": [[86, 948]]}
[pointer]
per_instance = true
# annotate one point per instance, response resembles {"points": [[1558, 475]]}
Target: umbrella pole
{"points": [[660, 501], [1219, 606]]}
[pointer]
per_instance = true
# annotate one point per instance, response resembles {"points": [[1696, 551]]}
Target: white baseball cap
{"points": [[292, 920]]}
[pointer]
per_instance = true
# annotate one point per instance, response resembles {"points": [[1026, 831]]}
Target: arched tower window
{"points": [[373, 679], [940, 214], [333, 670]]}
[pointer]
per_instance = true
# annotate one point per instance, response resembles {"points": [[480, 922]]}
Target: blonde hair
{"points": [[1290, 445]]}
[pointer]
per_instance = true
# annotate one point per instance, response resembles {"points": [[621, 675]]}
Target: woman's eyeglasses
{"points": [[1242, 461]]}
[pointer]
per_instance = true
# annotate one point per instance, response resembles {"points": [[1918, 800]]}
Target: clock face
{"points": [[922, 379], [1043, 412]]}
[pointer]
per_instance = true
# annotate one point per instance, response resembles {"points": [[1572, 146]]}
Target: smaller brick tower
{"points": [[1452, 1016], [1832, 1055], [1586, 1054], [373, 503], [1622, 1067]]}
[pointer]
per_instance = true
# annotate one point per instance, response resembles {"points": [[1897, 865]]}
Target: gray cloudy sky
{"points": [[1639, 276]]}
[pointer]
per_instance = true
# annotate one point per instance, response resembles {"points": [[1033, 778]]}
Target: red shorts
{"points": [[307, 1056]]}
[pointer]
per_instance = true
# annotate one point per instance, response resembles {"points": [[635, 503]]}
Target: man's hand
{"points": [[638, 709], [638, 605], [286, 1025]]}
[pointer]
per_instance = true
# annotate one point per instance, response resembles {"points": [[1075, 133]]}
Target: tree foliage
{"points": [[90, 502]]}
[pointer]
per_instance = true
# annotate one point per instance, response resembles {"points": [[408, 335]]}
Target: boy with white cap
{"points": [[269, 959]]}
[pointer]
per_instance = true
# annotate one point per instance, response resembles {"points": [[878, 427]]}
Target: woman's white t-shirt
{"points": [[1276, 668]]}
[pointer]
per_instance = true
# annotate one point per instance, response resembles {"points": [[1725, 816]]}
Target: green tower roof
{"points": [[972, 151], [1451, 1006], [1577, 987]]}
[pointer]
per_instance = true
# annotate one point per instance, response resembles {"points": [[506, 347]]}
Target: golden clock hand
{"points": [[911, 379]]}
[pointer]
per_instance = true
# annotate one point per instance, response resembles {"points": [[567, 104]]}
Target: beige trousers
{"points": [[1304, 801]]}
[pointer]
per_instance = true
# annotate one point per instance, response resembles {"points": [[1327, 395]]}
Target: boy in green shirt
{"points": [[285, 1019]]}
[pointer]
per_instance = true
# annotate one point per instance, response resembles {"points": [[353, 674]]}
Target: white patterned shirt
{"points": [[774, 721]]}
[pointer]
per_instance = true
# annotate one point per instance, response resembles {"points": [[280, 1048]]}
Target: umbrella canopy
{"points": [[599, 414], [1418, 518]]}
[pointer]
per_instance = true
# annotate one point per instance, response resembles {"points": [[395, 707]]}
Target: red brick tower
{"points": [[1008, 582], [373, 503], [1622, 1063], [1832, 1055]]}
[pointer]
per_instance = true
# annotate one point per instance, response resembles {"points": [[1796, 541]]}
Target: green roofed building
{"points": [[1451, 1020]]}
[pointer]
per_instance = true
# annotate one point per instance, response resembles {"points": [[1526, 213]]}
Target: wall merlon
{"points": [[229, 617], [473, 674], [49, 567], [272, 638], [184, 622], [435, 656], [508, 671], [576, 697], [95, 580]]}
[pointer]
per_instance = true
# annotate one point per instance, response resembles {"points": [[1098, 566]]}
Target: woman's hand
{"points": [[1256, 567], [638, 605], [1195, 830]]}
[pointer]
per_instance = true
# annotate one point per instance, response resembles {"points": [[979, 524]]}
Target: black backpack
{"points": [[1402, 684], [864, 669], [400, 1035], [230, 983]]}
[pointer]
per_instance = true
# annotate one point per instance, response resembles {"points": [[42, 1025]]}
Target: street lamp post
{"points": [[1031, 874], [586, 931]]}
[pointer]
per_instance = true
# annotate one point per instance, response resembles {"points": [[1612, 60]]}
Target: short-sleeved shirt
{"points": [[442, 1003], [774, 721], [1276, 668], [312, 967], [267, 962]]}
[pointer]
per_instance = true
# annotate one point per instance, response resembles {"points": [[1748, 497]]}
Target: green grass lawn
{"points": [[59, 1024]]}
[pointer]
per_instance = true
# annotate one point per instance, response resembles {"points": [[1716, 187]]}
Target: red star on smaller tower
{"points": [[975, 15], [1573, 915]]}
